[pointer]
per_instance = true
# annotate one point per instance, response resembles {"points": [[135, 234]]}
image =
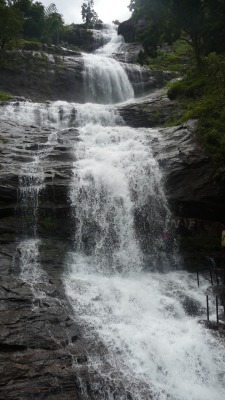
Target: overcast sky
{"points": [[107, 10]]}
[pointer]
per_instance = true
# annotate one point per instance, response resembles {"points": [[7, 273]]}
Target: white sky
{"points": [[107, 10]]}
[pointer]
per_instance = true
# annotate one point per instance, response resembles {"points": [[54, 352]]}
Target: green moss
{"points": [[4, 96], [48, 223], [202, 97], [190, 87], [3, 139], [176, 58]]}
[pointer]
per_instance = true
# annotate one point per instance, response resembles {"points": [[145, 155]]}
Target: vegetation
{"points": [[30, 21], [48, 223], [188, 37], [89, 15], [4, 96], [199, 22], [10, 24]]}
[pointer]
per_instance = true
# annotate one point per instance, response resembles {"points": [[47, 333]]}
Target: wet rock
{"points": [[190, 182], [180, 157], [154, 111], [128, 52], [43, 349], [42, 76], [127, 30]]}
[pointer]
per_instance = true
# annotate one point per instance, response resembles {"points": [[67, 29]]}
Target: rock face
{"points": [[153, 111], [191, 183], [43, 347], [128, 31], [43, 351], [180, 157], [41, 76]]}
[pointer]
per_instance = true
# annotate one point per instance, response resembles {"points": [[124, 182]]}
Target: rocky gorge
{"points": [[45, 350]]}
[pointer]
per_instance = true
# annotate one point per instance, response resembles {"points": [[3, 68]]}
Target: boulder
{"points": [[128, 31]]}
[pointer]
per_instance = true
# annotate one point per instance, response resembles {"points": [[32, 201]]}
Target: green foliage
{"points": [[203, 97], [33, 17], [89, 16], [116, 22], [201, 23], [77, 37], [4, 96], [53, 25], [3, 139], [177, 58], [190, 87], [10, 25], [48, 223]]}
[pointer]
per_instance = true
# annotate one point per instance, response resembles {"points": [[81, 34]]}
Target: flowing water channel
{"points": [[127, 289]]}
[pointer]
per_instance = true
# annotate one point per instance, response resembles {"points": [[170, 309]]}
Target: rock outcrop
{"points": [[128, 31], [41, 76], [43, 347], [180, 157]]}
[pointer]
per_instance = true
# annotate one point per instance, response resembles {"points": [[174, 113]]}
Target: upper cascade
{"points": [[114, 42], [105, 79]]}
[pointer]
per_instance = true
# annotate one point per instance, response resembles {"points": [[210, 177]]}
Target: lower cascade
{"points": [[122, 275]]}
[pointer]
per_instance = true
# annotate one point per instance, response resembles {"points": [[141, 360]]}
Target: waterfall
{"points": [[114, 43], [154, 347], [31, 183], [106, 82], [145, 319], [105, 79]]}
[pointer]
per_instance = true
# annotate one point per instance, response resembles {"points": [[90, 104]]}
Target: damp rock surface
{"points": [[43, 352]]}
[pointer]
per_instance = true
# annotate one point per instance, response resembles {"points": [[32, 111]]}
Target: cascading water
{"points": [[114, 43], [31, 182], [106, 81], [155, 348]]}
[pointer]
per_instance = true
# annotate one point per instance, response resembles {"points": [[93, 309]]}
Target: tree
{"points": [[116, 22], [200, 22], [33, 17], [10, 24], [89, 16], [53, 23]]}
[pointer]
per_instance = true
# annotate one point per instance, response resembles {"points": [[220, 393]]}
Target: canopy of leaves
{"points": [[10, 24], [89, 16], [30, 19], [201, 22]]}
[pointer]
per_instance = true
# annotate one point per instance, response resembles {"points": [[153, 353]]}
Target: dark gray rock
{"points": [[190, 176], [41, 76], [128, 52], [152, 111], [43, 349], [191, 181], [128, 30]]}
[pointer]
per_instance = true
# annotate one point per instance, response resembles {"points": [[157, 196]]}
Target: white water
{"points": [[106, 81], [114, 43], [154, 346], [31, 183]]}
